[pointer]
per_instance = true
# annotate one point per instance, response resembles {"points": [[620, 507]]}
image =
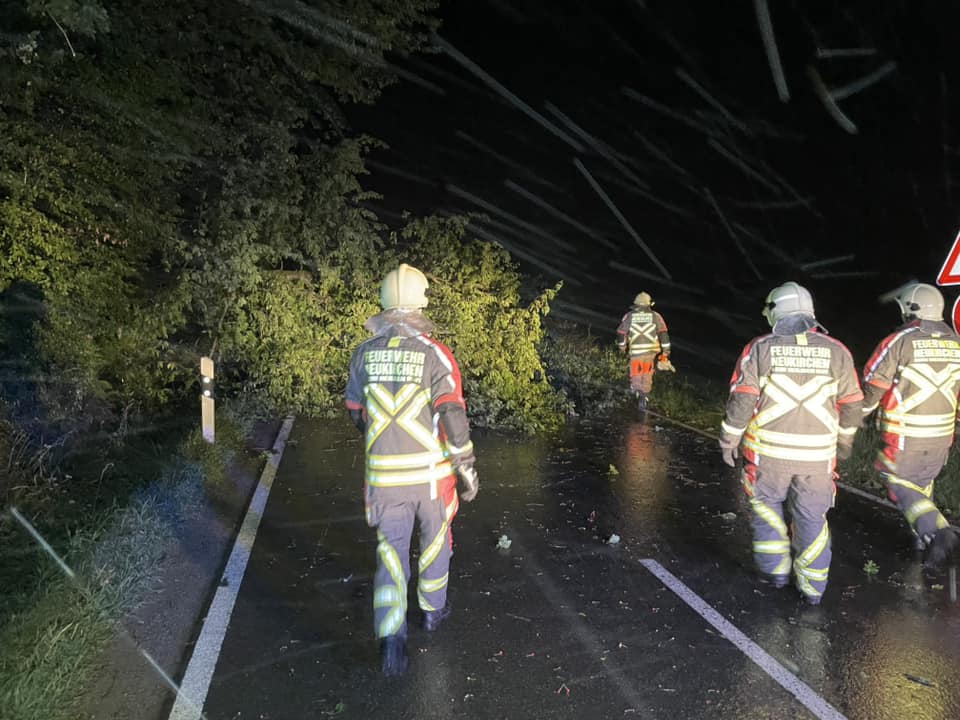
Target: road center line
{"points": [[786, 679], [203, 661]]}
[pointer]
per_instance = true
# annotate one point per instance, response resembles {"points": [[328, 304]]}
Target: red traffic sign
{"points": [[950, 272], [955, 316]]}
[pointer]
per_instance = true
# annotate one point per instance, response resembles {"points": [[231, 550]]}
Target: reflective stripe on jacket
{"points": [[914, 377], [791, 397], [402, 382], [643, 331]]}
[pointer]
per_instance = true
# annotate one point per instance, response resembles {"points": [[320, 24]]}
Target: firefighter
{"points": [[794, 407], [913, 377], [643, 335], [406, 396]]}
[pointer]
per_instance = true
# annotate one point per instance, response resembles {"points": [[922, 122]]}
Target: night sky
{"points": [[689, 139]]}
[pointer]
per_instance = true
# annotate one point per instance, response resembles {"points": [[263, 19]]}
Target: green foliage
{"points": [[86, 17], [946, 492], [295, 336], [476, 305], [159, 161], [590, 372], [212, 460]]}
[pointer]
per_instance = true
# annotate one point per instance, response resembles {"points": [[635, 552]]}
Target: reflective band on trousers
{"points": [[774, 521], [894, 480], [394, 597], [426, 560], [920, 507], [771, 547], [801, 566]]}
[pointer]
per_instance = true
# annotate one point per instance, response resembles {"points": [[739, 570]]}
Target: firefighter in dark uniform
{"points": [[643, 335], [405, 394], [912, 380], [795, 405]]}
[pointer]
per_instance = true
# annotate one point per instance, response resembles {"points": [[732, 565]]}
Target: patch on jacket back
{"points": [[394, 365], [936, 349], [808, 359]]}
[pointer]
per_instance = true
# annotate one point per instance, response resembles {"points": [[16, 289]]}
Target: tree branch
{"points": [[65, 36]]}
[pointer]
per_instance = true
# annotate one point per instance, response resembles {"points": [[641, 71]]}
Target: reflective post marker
{"points": [[207, 398]]}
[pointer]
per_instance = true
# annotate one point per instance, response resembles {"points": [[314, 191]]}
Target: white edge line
{"points": [[786, 679], [206, 652]]}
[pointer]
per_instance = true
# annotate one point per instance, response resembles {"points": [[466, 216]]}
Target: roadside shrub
{"points": [[477, 307], [292, 340], [592, 374]]}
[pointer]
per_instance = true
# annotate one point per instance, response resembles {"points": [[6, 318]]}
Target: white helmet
{"points": [[405, 287], [920, 300], [643, 300], [788, 299]]}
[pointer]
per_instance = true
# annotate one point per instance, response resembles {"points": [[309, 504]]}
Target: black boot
{"points": [[641, 401], [778, 581], [393, 653], [942, 548], [433, 618]]}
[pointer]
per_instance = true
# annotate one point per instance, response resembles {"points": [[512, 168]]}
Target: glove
{"points": [[357, 417], [844, 450], [471, 483], [730, 454], [664, 364]]}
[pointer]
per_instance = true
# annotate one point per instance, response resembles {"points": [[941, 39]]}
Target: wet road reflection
{"points": [[564, 623]]}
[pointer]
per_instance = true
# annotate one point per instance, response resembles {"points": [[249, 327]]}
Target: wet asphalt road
{"points": [[562, 625]]}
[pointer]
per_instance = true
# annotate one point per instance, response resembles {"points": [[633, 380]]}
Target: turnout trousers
{"points": [[774, 487], [641, 372], [908, 467], [393, 512]]}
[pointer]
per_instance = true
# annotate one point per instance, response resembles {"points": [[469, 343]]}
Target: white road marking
{"points": [[196, 680], [786, 679]]}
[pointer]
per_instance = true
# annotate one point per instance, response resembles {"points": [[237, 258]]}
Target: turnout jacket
{"points": [[793, 394], [913, 376], [643, 331], [408, 389]]}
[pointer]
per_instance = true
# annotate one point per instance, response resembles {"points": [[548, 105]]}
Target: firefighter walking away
{"points": [[795, 405], [643, 335], [912, 380], [406, 396]]}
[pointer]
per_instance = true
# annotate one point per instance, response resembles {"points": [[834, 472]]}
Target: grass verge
{"points": [[57, 627], [594, 378]]}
